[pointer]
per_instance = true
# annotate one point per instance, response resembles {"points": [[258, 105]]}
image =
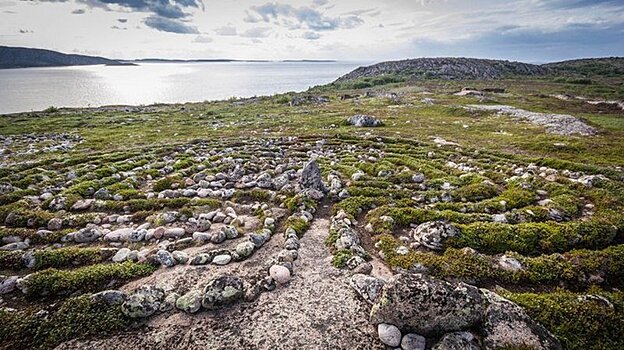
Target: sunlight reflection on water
{"points": [[38, 88]]}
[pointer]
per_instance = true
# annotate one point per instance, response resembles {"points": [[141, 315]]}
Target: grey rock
{"points": [[432, 234], [165, 258], [428, 306], [245, 249], [222, 291], [15, 246], [222, 259], [457, 341], [201, 259], [110, 297], [121, 255], [311, 177], [413, 341], [218, 237], [389, 334], [507, 324], [144, 302], [231, 232], [363, 120], [367, 287], [180, 257], [8, 284], [190, 302], [88, 234]]}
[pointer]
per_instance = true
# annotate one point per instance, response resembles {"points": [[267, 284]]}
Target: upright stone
{"points": [[311, 177]]}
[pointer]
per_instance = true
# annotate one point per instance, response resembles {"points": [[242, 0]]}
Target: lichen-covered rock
{"points": [[230, 232], [88, 234], [222, 291], [190, 302], [432, 234], [506, 324], [110, 297], [144, 302], [201, 259], [367, 287], [311, 177], [362, 120], [8, 284], [457, 341], [245, 249], [165, 258], [428, 306]]}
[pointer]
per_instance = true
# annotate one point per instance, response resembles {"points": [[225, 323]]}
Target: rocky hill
{"points": [[22, 57], [447, 68], [607, 66]]}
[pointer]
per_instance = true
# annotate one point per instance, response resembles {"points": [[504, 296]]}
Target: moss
{"points": [[77, 317], [534, 238], [67, 257], [253, 195], [516, 197], [11, 260], [475, 192], [90, 278], [298, 224], [166, 183], [341, 257], [298, 202], [578, 323], [332, 238]]}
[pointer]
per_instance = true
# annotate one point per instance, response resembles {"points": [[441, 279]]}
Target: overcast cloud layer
{"points": [[363, 30]]}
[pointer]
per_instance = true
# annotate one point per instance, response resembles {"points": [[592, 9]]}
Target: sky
{"points": [[355, 30]]}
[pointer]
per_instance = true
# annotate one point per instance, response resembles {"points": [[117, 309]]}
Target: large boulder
{"points": [[363, 120], [507, 325], [432, 234], [222, 291], [428, 306], [311, 177]]}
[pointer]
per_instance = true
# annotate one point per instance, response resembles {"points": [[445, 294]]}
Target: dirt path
{"points": [[316, 310]]}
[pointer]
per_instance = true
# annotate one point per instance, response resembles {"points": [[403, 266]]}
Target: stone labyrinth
{"points": [[142, 232]]}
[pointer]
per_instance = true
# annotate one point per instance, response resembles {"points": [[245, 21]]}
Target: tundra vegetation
{"points": [[536, 216]]}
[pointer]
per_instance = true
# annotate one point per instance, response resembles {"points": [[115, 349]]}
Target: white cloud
{"points": [[348, 29]]}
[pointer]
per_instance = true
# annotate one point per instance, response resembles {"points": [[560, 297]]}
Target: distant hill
{"points": [[22, 57], [446, 68], [459, 68], [607, 67]]}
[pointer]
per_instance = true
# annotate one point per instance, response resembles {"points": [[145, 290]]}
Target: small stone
{"points": [[412, 341], [389, 334], [190, 302], [280, 274], [245, 249], [180, 257], [230, 232], [174, 232], [121, 255], [165, 258], [222, 259], [8, 284], [110, 297]]}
